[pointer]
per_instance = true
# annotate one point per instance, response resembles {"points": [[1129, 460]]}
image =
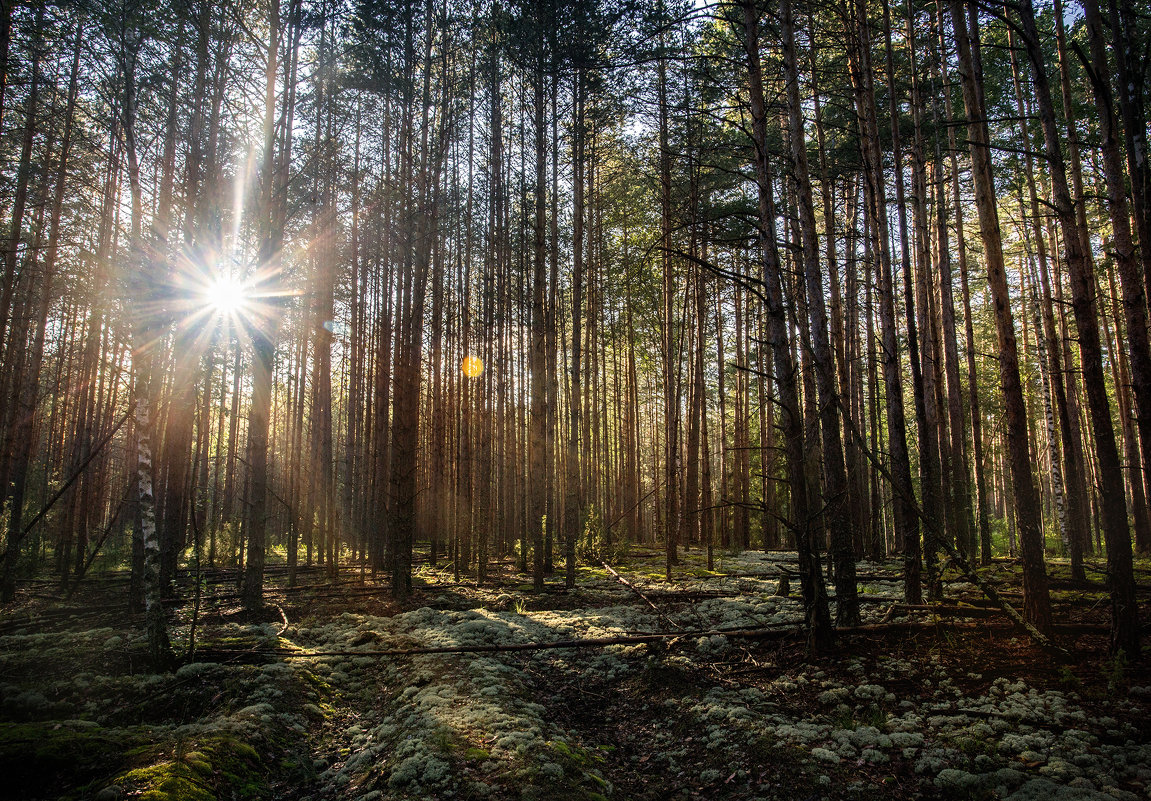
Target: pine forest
{"points": [[575, 400]]}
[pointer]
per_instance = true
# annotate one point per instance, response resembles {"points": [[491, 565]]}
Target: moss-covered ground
{"points": [[299, 702]]}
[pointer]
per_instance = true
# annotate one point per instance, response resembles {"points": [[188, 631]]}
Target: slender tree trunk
{"points": [[919, 317], [1037, 607], [957, 475], [20, 197], [147, 331], [263, 339], [1126, 626], [906, 523], [538, 420], [1134, 298], [667, 324], [1070, 473], [25, 435], [1130, 73], [791, 418], [837, 514], [573, 512]]}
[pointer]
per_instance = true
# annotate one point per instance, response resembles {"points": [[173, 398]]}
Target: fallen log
{"points": [[758, 633]]}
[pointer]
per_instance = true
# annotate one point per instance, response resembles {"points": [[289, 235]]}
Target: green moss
{"points": [[166, 781], [41, 760], [242, 750], [217, 767], [579, 771], [477, 754], [199, 763], [319, 685]]}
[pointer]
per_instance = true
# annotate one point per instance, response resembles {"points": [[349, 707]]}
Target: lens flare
{"points": [[473, 366]]}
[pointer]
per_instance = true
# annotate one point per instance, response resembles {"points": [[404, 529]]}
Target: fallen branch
{"points": [[957, 559], [283, 619], [758, 633], [99, 446], [636, 590], [944, 610]]}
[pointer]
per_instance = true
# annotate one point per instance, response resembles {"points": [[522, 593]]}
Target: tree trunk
{"points": [[791, 418], [538, 419], [1037, 607], [906, 522], [1125, 619], [837, 513], [1134, 298], [263, 339]]}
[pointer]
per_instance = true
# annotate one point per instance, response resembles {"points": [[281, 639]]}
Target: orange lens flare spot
{"points": [[473, 366]]}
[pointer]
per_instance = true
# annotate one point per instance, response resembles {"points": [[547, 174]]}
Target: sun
{"points": [[226, 296]]}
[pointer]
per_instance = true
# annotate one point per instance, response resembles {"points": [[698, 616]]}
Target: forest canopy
{"points": [[375, 286]]}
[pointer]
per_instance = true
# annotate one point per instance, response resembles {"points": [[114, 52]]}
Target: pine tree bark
{"points": [[1071, 473], [820, 633], [573, 512], [668, 328], [957, 472], [1126, 259], [538, 419], [263, 337], [906, 523], [1125, 634], [920, 333], [835, 476], [1027, 512], [25, 432]]}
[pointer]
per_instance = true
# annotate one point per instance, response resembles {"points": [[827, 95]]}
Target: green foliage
{"points": [[1000, 544], [1115, 671], [595, 545], [1068, 678]]}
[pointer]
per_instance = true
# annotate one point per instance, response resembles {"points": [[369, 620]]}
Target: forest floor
{"points": [[310, 701]]}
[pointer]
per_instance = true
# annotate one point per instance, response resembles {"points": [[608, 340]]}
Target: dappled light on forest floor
{"points": [[314, 710]]}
